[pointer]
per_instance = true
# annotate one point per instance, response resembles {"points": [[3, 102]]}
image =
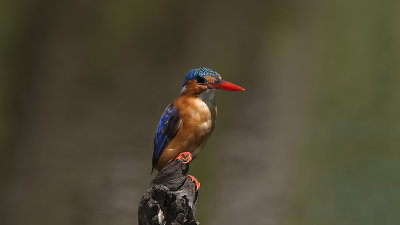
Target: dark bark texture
{"points": [[170, 199]]}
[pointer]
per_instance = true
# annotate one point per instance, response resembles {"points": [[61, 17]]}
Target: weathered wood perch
{"points": [[170, 199]]}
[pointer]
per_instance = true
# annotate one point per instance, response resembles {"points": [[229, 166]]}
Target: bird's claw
{"points": [[196, 182], [185, 156]]}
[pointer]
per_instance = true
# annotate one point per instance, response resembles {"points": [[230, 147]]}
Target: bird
{"points": [[189, 120]]}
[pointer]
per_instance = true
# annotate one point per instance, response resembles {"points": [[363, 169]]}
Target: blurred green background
{"points": [[314, 139]]}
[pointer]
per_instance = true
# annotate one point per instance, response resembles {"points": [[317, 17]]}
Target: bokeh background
{"points": [[313, 140]]}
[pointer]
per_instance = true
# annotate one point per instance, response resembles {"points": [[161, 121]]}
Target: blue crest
{"points": [[204, 71]]}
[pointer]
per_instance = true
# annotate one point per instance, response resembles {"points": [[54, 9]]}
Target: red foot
{"points": [[185, 156], [195, 181]]}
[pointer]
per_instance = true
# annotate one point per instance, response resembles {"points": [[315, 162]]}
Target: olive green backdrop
{"points": [[314, 139]]}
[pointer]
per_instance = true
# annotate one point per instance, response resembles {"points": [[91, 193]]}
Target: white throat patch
{"points": [[183, 89], [207, 97]]}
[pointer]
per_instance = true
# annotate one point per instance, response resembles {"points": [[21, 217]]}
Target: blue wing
{"points": [[166, 130]]}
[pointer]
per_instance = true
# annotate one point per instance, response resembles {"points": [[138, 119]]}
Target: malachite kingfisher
{"points": [[187, 123]]}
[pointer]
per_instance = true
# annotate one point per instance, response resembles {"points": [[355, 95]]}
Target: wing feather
{"points": [[166, 130]]}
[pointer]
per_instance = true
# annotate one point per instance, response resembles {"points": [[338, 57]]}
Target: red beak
{"points": [[226, 86]]}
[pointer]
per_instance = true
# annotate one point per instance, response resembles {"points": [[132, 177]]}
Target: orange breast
{"points": [[198, 120]]}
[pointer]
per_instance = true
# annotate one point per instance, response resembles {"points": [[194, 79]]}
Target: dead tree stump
{"points": [[170, 199]]}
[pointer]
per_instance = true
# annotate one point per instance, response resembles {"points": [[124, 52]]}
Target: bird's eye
{"points": [[200, 80]]}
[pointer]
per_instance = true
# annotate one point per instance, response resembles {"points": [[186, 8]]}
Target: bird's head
{"points": [[202, 79]]}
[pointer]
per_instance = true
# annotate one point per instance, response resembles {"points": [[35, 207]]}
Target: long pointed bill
{"points": [[226, 86]]}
